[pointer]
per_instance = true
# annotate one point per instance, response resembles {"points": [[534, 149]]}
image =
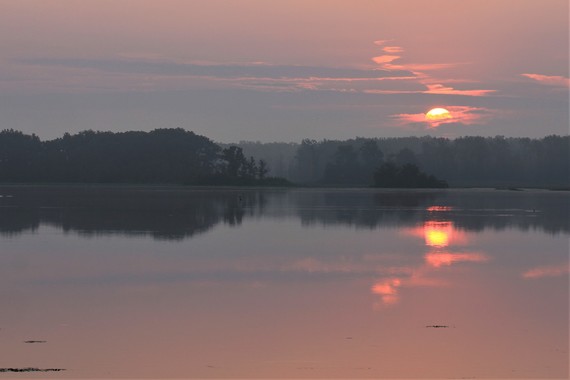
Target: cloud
{"points": [[459, 115], [440, 89], [550, 80], [381, 42], [387, 62], [156, 73], [140, 72], [431, 89], [392, 49], [388, 49], [419, 67], [385, 59], [547, 271], [231, 70]]}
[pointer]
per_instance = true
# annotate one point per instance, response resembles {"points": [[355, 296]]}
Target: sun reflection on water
{"points": [[446, 246], [437, 234]]}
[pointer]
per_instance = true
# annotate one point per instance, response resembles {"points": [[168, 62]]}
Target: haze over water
{"points": [[171, 282]]}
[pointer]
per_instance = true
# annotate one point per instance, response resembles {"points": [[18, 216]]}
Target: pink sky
{"points": [[266, 71]]}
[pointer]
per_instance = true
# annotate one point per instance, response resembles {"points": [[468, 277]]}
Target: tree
{"points": [[307, 161], [262, 170], [407, 176], [235, 161], [406, 156]]}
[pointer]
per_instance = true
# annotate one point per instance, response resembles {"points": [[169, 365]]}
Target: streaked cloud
{"points": [[260, 76], [421, 71], [144, 72], [382, 42], [420, 67], [550, 80], [439, 89], [385, 61], [381, 59], [220, 70], [392, 49]]}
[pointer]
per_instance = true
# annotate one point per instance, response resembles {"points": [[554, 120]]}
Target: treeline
{"points": [[161, 156], [178, 156], [465, 161]]}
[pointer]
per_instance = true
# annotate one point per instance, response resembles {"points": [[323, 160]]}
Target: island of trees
{"points": [[177, 156], [167, 156]]}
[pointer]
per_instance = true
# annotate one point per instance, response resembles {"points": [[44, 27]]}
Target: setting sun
{"points": [[438, 114]]}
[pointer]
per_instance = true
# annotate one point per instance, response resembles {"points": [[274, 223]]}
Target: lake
{"points": [[174, 282]]}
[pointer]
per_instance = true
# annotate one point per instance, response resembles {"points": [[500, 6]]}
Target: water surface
{"points": [[170, 282]]}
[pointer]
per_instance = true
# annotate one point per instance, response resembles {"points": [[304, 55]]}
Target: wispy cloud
{"points": [[382, 59], [253, 75], [551, 80], [440, 89], [230, 70], [393, 49], [143, 72], [434, 89], [420, 70], [382, 42], [385, 60]]}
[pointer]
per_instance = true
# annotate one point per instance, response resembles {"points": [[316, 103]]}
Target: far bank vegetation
{"points": [[177, 156]]}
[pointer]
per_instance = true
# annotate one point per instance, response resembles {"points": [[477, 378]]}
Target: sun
{"points": [[436, 114]]}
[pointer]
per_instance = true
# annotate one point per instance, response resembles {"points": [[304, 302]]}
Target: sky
{"points": [[278, 70]]}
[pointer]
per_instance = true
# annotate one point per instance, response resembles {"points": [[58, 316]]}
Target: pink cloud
{"points": [[381, 42], [442, 90], [459, 115], [551, 80], [420, 66], [385, 61], [382, 59], [435, 89], [420, 71], [547, 271], [390, 92], [392, 49]]}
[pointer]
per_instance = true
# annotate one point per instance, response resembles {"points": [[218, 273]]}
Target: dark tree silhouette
{"points": [[465, 161], [407, 176], [262, 170], [160, 156], [179, 156]]}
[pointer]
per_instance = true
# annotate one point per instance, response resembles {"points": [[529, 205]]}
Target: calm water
{"points": [[158, 282]]}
